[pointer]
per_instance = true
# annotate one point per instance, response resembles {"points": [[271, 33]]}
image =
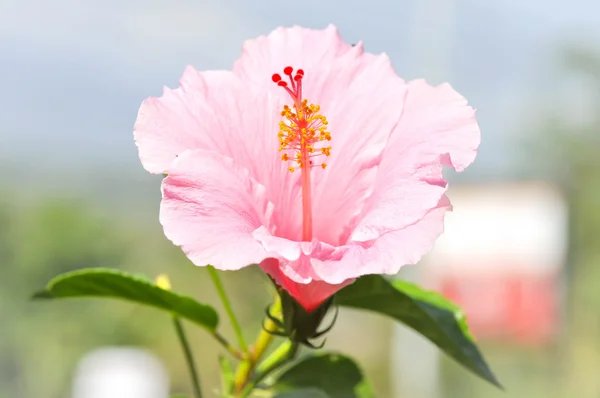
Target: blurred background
{"points": [[521, 252]]}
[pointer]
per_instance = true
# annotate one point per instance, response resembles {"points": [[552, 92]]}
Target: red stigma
{"points": [[294, 87], [299, 75]]}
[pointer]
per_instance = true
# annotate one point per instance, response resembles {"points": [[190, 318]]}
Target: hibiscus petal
{"points": [[296, 257], [309, 295], [388, 253], [211, 207], [437, 128], [181, 119], [330, 268], [407, 246], [361, 96]]}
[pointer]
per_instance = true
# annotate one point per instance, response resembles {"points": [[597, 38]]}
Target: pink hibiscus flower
{"points": [[311, 158]]}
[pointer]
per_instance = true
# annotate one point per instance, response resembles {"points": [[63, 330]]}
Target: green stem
{"points": [[264, 339], [188, 357], [228, 308], [281, 356]]}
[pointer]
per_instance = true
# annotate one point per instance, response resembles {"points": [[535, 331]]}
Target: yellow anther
{"points": [[302, 128], [324, 165]]}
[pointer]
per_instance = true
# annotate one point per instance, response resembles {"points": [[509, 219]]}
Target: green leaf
{"points": [[105, 282], [336, 376], [303, 393], [428, 313]]}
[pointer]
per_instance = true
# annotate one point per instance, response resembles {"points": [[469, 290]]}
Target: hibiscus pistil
{"points": [[300, 135]]}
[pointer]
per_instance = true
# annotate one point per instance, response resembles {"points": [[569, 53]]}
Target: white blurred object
{"points": [[501, 258], [523, 222], [120, 373]]}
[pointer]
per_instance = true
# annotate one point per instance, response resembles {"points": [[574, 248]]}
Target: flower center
{"points": [[301, 136]]}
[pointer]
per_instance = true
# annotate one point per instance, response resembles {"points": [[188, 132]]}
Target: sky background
{"points": [[74, 72]]}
